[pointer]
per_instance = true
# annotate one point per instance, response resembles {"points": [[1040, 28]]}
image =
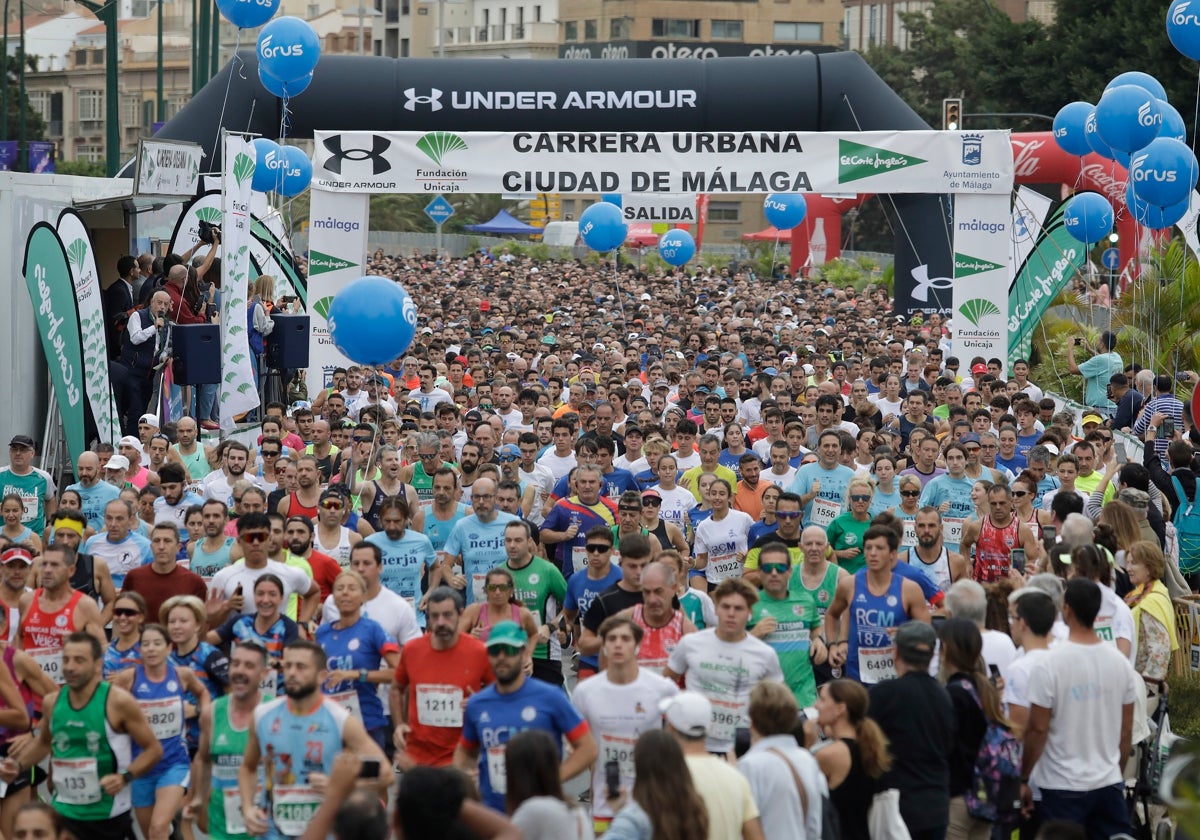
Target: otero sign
{"points": [[608, 50]]}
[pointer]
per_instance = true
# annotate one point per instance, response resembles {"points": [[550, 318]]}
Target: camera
{"points": [[1079, 342], [207, 232]]}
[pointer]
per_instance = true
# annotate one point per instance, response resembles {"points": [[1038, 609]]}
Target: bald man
{"points": [[180, 310], [145, 341], [93, 492]]}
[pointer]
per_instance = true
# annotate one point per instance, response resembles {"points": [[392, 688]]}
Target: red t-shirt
{"points": [[325, 571], [464, 666], [157, 589]]}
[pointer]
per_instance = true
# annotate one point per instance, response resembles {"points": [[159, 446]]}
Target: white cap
{"points": [[646, 296], [688, 712], [149, 420], [130, 440], [117, 462]]}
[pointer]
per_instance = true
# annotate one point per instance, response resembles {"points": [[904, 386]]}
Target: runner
{"points": [[390, 485], [662, 624], [721, 540], [118, 546], [867, 608], [184, 618], [216, 803], [540, 586], [446, 510], [788, 620], [125, 649], [267, 626], [230, 584], [476, 544], [159, 689], [408, 555], [930, 555], [211, 554], [996, 535], [619, 705], [51, 613], [88, 732], [294, 740], [951, 495], [600, 574], [821, 486]]}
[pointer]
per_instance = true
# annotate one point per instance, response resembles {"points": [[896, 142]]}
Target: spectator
{"points": [[856, 756], [535, 798], [664, 804]]}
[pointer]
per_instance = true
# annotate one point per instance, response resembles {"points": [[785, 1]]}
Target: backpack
{"points": [[1187, 527], [995, 791]]}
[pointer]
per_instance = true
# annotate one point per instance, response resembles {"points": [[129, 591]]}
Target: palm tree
{"points": [[1159, 316]]}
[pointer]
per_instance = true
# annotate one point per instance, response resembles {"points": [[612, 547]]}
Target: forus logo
{"points": [[268, 50]]}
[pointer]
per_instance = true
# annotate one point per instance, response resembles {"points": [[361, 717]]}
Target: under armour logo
{"points": [[379, 163], [434, 100], [924, 283]]}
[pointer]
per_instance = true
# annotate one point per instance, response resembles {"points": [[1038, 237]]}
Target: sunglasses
{"points": [[652, 502], [505, 650], [497, 587], [508, 459], [787, 514], [358, 439], [1105, 438], [777, 568], [911, 494], [598, 548], [270, 454], [331, 504], [860, 497], [1020, 493], [427, 456], [123, 612], [254, 537]]}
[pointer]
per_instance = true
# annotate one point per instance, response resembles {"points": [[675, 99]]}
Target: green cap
{"points": [[507, 633]]}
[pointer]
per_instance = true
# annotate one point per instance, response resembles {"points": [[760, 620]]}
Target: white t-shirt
{"points": [[558, 466], [998, 650], [724, 672], [1085, 687], [784, 481], [542, 480], [226, 581], [393, 613], [886, 407], [775, 791], [686, 462], [1115, 620], [1016, 678], [218, 488], [675, 505], [617, 715], [723, 541]]}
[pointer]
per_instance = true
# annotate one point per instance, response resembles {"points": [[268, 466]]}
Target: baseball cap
{"points": [[688, 712], [507, 633], [330, 493], [915, 639], [149, 420], [651, 494], [661, 383], [1134, 497], [509, 450], [646, 296], [979, 368], [426, 331], [969, 437], [22, 440], [117, 462], [130, 440], [1092, 418], [16, 553], [549, 341]]}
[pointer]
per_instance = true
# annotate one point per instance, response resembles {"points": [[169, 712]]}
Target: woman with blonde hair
{"points": [[857, 757], [846, 531], [259, 323]]}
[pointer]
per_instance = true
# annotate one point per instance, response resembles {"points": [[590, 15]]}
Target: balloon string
{"points": [[620, 297], [235, 65]]}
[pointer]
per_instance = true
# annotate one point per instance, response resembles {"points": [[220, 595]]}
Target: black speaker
{"points": [[287, 345], [196, 354]]}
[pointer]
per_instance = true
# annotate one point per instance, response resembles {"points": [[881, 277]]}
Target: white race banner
{"points": [[337, 246], [239, 391], [982, 250], [168, 167], [659, 208], [1028, 215], [682, 162], [81, 258]]}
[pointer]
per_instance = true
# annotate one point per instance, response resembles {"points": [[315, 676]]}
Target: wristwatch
{"points": [[128, 777], [362, 675]]}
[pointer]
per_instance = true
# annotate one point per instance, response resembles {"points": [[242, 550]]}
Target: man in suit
{"points": [[118, 303]]}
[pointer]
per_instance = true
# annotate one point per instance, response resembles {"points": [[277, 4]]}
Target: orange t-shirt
{"points": [[431, 677]]}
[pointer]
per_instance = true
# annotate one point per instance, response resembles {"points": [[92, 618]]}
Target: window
{"points": [[724, 211], [590, 30], [618, 28], [674, 28], [568, 208], [90, 104], [314, 10], [727, 30], [789, 31], [39, 101], [571, 30], [537, 14], [92, 152], [131, 111]]}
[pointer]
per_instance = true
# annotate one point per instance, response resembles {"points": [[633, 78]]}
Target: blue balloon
{"points": [[1154, 218], [785, 210], [1142, 80], [1069, 128], [297, 172], [1173, 124], [268, 159], [601, 227], [372, 320], [1164, 173], [288, 49], [284, 90], [1088, 217], [248, 14], [1094, 140], [1183, 28], [1128, 118], [677, 247], [612, 198]]}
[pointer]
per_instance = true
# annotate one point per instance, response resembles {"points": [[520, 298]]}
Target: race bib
{"points": [[29, 505], [910, 534], [876, 664], [234, 822], [578, 558], [269, 685], [825, 511], [1104, 630], [164, 716], [440, 705], [477, 584], [619, 749], [952, 529], [348, 700], [726, 715], [721, 568], [49, 660], [293, 809], [76, 781], [497, 770]]}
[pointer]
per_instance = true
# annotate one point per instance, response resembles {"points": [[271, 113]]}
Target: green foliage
{"points": [[87, 168], [1159, 317], [845, 272], [1185, 704], [35, 129]]}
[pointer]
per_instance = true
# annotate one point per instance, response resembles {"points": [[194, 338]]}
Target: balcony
{"points": [[466, 37]]}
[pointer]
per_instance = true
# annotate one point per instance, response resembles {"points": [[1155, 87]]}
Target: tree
{"points": [[35, 129]]}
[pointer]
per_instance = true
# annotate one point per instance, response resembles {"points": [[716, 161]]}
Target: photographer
{"points": [[1098, 370]]}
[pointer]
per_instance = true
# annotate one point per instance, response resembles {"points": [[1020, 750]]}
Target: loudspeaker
{"points": [[196, 354], [287, 345]]}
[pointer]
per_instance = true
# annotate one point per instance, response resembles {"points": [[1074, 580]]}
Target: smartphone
{"points": [[612, 778], [1181, 377], [1122, 455], [237, 591], [1079, 342], [1167, 429], [741, 741], [1017, 556], [1049, 533], [994, 670], [370, 769]]}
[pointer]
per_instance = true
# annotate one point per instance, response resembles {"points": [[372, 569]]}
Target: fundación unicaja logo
{"points": [[243, 168], [857, 161], [77, 253], [976, 309], [965, 265], [437, 144]]}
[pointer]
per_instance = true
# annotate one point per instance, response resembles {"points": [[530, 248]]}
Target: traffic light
{"points": [[951, 114]]}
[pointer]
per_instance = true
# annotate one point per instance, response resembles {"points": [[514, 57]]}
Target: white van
{"points": [[561, 233]]}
